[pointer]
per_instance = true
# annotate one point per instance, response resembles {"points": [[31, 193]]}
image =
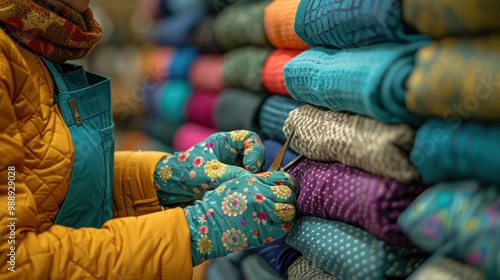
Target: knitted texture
{"points": [[460, 220], [446, 269], [334, 191], [451, 18], [351, 23], [279, 17], [272, 72], [50, 28], [202, 36], [349, 252], [243, 67], [303, 268], [273, 114], [353, 140], [447, 151], [468, 88], [241, 24], [368, 81]]}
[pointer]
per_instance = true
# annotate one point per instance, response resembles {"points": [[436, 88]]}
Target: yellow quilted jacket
{"points": [[36, 153]]}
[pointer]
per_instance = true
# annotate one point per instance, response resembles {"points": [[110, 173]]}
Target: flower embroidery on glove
{"points": [[252, 180], [259, 198], [215, 169], [284, 211], [234, 204], [198, 161], [182, 157], [204, 245], [220, 189], [165, 173], [264, 175], [209, 146], [203, 230], [192, 174], [248, 145], [234, 240], [238, 135], [283, 192], [261, 217]]}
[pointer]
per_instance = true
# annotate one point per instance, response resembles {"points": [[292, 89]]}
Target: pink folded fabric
{"points": [[206, 72], [190, 134], [200, 107]]}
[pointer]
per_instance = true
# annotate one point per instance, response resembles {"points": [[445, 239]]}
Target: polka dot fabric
{"points": [[334, 191], [349, 252]]}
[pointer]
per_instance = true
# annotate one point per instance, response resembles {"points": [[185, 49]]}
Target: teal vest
{"points": [[84, 99]]}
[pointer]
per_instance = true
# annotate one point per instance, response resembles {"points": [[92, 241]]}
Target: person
{"points": [[73, 208]]}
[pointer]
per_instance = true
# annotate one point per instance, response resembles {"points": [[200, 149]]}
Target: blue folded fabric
{"points": [[351, 23], [172, 99], [349, 252], [279, 255], [273, 114], [448, 150], [272, 150], [174, 30], [369, 81], [182, 61]]}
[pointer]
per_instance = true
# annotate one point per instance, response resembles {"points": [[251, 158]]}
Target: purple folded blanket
{"points": [[334, 191]]}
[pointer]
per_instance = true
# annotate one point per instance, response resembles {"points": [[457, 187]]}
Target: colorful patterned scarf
{"points": [[50, 28]]}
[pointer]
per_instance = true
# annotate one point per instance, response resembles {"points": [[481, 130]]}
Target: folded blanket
{"points": [[446, 151], [172, 98], [206, 72], [279, 17], [349, 252], [467, 88], [200, 107], [368, 81], [351, 23], [461, 220], [273, 114], [272, 72], [202, 36], [333, 191], [303, 268], [446, 269], [452, 17], [238, 109], [373, 146], [243, 67], [241, 24], [181, 62]]}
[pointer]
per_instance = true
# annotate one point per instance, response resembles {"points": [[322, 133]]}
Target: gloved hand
{"points": [[184, 176], [243, 213]]}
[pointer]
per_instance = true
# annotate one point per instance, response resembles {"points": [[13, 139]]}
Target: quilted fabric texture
{"points": [[349, 252], [351, 23], [279, 17], [334, 191], [461, 220], [303, 268], [273, 114], [446, 269], [466, 89], [272, 72], [447, 151], [450, 18], [243, 67], [368, 81], [241, 24], [373, 146]]}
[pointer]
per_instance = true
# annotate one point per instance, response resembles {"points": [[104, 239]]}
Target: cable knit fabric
{"points": [[273, 114], [333, 191], [368, 81], [351, 23], [241, 24], [303, 268], [243, 67], [279, 17], [468, 88], [378, 148], [349, 252], [461, 220], [272, 72], [451, 17], [446, 269], [446, 151]]}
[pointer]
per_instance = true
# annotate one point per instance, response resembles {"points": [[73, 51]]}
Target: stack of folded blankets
{"points": [[395, 108]]}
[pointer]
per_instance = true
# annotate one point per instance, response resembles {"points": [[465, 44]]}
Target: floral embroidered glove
{"points": [[184, 176], [243, 213]]}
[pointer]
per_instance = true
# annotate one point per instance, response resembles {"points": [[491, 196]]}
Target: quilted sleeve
{"points": [[155, 246]]}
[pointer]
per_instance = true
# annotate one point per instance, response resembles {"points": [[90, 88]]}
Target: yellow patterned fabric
{"points": [[457, 79], [440, 18]]}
